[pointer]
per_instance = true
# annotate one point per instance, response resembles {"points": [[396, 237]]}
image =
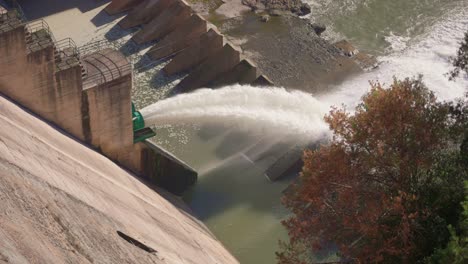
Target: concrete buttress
{"points": [[201, 48], [180, 38], [163, 24], [220, 63]]}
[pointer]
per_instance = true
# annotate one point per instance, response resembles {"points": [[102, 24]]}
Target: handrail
{"points": [[94, 46], [108, 74], [36, 26], [68, 46]]}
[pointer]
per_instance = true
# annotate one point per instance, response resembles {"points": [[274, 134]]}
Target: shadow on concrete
{"points": [[131, 47], [103, 18], [116, 32], [160, 80], [35, 9]]}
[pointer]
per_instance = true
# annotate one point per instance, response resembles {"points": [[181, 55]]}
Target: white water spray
{"points": [[280, 112], [269, 111]]}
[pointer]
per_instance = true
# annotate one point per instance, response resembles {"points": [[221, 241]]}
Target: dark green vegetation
{"points": [[391, 185]]}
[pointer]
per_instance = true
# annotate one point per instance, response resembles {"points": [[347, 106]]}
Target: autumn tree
{"points": [[386, 186]]}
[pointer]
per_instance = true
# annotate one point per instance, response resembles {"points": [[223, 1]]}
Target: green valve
{"points": [[140, 132]]}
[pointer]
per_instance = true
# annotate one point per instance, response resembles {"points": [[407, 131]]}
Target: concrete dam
{"points": [[85, 92]]}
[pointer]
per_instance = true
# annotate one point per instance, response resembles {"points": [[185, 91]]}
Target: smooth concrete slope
{"points": [[119, 6], [214, 66], [164, 23], [145, 12], [64, 203], [200, 49], [180, 38]]}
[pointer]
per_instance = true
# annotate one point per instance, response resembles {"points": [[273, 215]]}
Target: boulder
{"points": [[304, 9], [318, 28], [265, 18]]}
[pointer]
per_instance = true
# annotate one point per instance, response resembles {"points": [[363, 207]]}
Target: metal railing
{"points": [[67, 54], [107, 75], [67, 47], [95, 46], [38, 35]]}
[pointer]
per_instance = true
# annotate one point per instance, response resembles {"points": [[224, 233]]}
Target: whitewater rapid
{"points": [[277, 111], [428, 55]]}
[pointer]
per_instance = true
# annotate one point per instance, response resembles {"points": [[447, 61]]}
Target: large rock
{"points": [[163, 24], [347, 48], [180, 38], [318, 28], [304, 9], [200, 49]]}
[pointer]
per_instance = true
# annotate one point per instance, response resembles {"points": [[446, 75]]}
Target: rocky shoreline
{"points": [[279, 7], [287, 48]]}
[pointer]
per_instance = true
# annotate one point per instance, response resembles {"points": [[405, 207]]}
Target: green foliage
{"points": [[389, 183], [456, 251], [461, 61]]}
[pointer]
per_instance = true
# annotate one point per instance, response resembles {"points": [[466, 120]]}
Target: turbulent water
{"points": [[379, 26], [232, 197], [429, 55], [281, 112], [269, 111]]}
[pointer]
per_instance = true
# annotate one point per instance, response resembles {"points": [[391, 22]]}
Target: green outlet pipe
{"points": [[140, 132], [138, 121]]}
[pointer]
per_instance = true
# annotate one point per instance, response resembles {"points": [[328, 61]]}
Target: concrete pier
{"points": [[219, 63], [243, 73], [262, 81], [200, 49], [145, 12], [172, 17], [180, 38]]}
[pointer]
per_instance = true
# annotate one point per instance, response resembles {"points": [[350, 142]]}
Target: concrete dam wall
{"points": [[87, 95], [62, 202]]}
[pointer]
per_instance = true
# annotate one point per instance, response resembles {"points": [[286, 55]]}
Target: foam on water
{"points": [[429, 56], [280, 112]]}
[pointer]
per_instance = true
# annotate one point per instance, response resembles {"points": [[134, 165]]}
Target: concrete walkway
{"points": [[81, 20]]}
